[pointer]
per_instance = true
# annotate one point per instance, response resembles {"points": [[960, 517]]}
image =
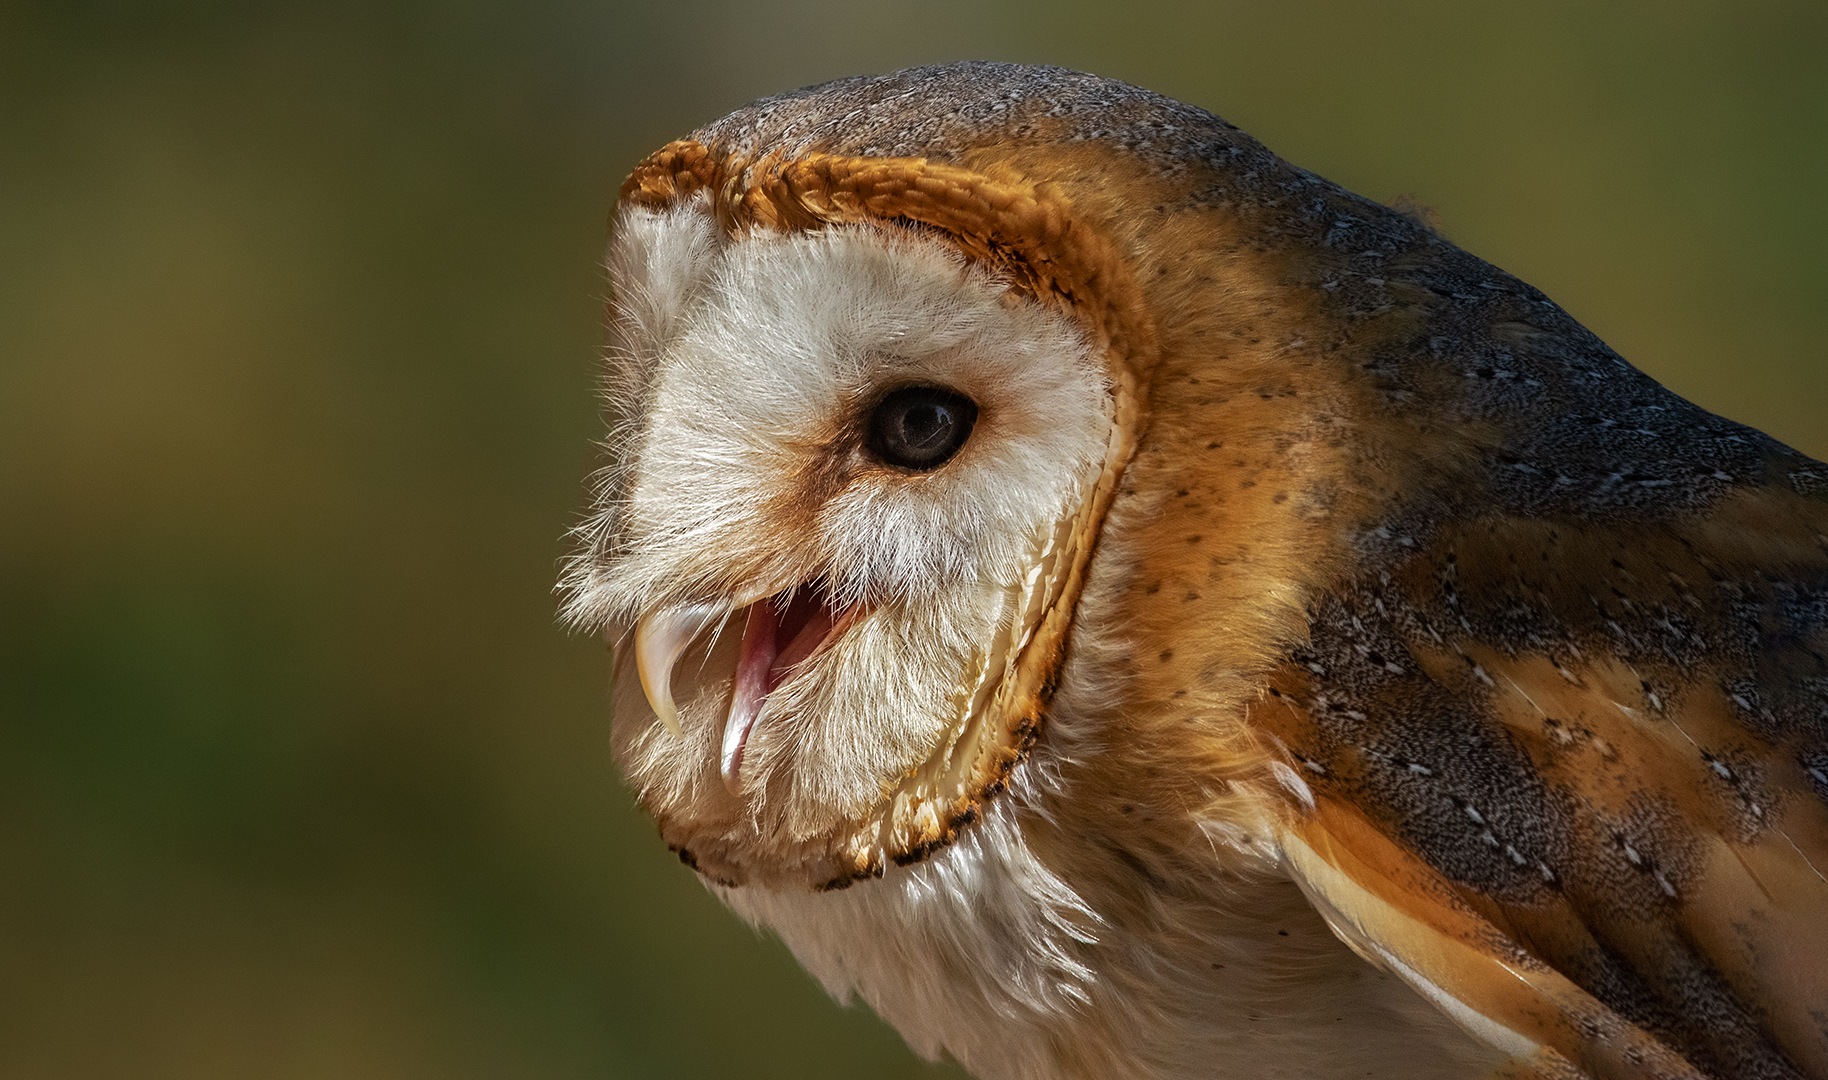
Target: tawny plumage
{"points": [[1071, 570]]}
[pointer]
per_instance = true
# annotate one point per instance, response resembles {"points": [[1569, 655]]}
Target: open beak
{"points": [[780, 633]]}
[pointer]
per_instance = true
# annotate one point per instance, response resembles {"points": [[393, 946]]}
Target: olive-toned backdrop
{"points": [[298, 312]]}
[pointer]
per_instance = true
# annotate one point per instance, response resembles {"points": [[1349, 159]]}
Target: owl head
{"points": [[882, 357], [867, 416]]}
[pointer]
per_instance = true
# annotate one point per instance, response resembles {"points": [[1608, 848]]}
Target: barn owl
{"points": [[1126, 607]]}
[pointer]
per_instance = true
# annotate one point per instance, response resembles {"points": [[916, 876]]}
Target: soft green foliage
{"points": [[298, 311]]}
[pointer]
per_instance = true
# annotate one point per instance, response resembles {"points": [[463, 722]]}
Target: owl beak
{"points": [[780, 633], [660, 637]]}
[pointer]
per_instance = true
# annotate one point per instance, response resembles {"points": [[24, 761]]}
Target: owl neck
{"points": [[1076, 933]]}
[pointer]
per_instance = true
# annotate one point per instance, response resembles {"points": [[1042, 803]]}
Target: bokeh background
{"points": [[299, 305]]}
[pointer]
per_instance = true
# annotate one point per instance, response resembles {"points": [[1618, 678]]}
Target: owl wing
{"points": [[1570, 781]]}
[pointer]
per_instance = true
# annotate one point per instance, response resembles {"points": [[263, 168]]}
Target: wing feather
{"points": [[1399, 913], [1577, 758]]}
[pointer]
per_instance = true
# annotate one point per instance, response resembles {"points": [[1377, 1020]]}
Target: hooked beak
{"points": [[660, 637], [780, 632]]}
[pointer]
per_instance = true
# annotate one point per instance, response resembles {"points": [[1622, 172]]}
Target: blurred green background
{"points": [[299, 306]]}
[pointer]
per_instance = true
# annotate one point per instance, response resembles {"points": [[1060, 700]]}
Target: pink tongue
{"points": [[774, 640], [803, 626]]}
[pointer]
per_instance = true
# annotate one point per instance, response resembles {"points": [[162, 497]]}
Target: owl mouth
{"points": [[780, 634]]}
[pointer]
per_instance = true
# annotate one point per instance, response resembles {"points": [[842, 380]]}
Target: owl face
{"points": [[843, 466]]}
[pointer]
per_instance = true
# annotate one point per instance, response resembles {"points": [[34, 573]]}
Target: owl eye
{"points": [[920, 427]]}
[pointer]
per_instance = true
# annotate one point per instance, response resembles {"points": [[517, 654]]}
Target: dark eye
{"points": [[920, 427]]}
